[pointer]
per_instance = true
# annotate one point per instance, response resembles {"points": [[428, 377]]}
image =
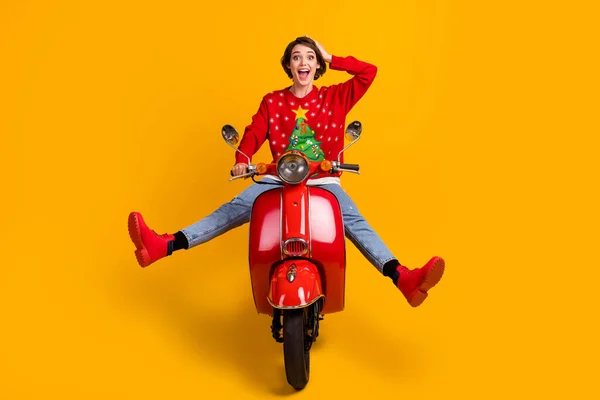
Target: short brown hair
{"points": [[306, 41]]}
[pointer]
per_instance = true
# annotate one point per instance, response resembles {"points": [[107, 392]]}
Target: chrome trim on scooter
{"points": [[291, 273], [281, 224], [294, 307], [309, 222], [295, 247]]}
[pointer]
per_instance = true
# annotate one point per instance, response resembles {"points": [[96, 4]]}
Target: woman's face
{"points": [[303, 64]]}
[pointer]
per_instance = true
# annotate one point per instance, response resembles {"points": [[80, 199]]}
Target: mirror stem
{"points": [[345, 148], [239, 151]]}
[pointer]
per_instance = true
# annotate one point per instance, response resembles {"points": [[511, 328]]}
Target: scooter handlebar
{"points": [[348, 167], [251, 170], [261, 169]]}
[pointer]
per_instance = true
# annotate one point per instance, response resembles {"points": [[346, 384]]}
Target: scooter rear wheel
{"points": [[296, 352]]}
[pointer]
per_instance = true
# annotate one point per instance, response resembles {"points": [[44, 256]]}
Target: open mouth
{"points": [[303, 73]]}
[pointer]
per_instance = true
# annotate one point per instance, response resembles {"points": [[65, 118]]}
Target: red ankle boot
{"points": [[150, 245], [415, 283]]}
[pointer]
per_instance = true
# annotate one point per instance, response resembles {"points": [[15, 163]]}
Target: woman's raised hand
{"points": [[324, 53]]}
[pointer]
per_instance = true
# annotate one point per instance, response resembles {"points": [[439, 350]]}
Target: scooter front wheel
{"points": [[296, 351]]}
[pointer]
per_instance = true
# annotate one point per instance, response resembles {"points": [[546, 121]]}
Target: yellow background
{"points": [[479, 146]]}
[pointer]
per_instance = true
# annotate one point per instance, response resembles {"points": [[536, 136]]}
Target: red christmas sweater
{"points": [[313, 124]]}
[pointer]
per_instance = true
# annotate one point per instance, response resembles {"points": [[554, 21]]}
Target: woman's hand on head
{"points": [[239, 169], [324, 53]]}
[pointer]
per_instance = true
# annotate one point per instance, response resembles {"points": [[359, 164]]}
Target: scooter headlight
{"points": [[292, 168]]}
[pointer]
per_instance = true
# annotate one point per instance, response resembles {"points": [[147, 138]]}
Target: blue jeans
{"points": [[237, 212]]}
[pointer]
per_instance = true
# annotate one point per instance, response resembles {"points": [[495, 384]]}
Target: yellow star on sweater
{"points": [[300, 113]]}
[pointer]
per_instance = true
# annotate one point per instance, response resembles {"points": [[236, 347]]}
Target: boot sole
{"points": [[434, 275], [135, 233]]}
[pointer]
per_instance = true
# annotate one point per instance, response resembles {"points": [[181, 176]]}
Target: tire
{"points": [[295, 353]]}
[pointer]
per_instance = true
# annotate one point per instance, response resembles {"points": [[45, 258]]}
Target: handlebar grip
{"points": [[351, 167]]}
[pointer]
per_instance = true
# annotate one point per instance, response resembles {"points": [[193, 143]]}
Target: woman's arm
{"points": [[255, 134], [349, 92]]}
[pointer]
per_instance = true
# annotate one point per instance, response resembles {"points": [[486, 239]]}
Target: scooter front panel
{"points": [[328, 246], [325, 234], [264, 245]]}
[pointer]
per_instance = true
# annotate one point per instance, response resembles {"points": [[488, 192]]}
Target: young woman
{"points": [[306, 118]]}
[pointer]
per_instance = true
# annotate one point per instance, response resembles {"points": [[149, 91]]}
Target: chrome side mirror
{"points": [[232, 138], [353, 132]]}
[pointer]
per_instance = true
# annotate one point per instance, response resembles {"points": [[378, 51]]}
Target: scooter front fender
{"points": [[295, 284]]}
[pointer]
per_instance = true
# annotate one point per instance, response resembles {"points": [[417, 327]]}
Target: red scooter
{"points": [[297, 251]]}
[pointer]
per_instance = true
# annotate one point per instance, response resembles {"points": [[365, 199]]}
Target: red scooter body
{"points": [[297, 249]]}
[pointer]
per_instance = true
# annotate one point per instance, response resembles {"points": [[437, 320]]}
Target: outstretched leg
{"points": [[151, 247], [413, 283]]}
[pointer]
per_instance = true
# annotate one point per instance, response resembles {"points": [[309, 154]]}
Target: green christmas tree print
{"points": [[303, 139]]}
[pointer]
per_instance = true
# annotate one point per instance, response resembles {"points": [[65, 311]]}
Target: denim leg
{"points": [[230, 215], [359, 232]]}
